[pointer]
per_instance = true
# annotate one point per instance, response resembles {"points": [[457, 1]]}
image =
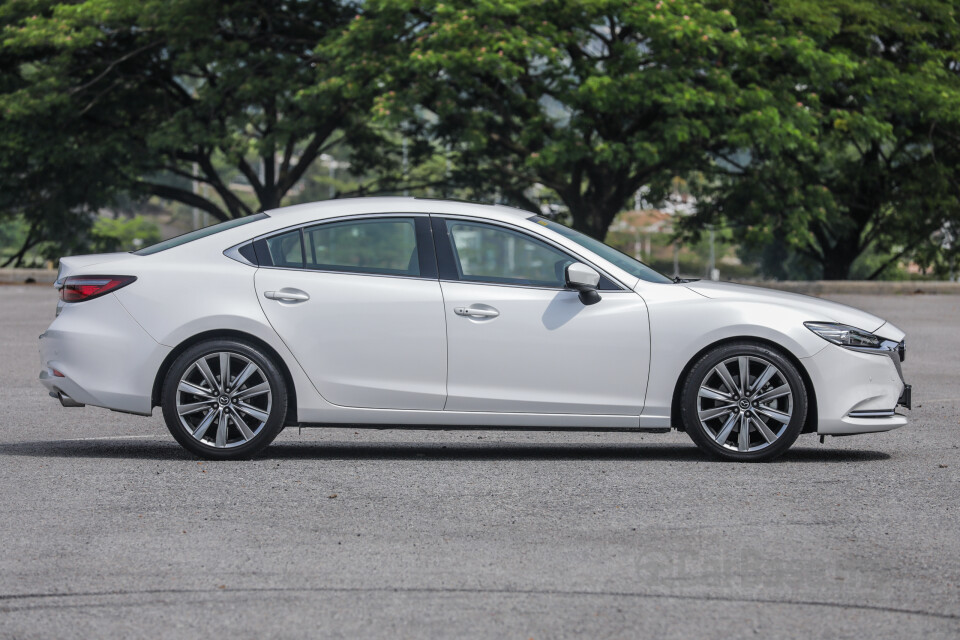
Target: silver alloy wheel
{"points": [[224, 389], [745, 403]]}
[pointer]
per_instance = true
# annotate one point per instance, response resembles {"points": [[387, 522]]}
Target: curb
{"points": [[862, 287], [28, 276]]}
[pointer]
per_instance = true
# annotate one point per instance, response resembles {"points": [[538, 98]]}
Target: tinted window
{"points": [[486, 253], [284, 250], [199, 233], [634, 267], [383, 246]]}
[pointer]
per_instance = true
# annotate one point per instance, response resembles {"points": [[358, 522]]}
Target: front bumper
{"points": [[857, 392]]}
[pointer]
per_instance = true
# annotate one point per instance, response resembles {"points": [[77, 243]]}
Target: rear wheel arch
{"points": [[155, 397], [810, 426]]}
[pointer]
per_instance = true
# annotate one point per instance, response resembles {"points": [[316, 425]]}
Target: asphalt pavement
{"points": [[110, 529]]}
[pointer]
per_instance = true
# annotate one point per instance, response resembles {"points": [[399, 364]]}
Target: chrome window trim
{"points": [[234, 253], [349, 273]]}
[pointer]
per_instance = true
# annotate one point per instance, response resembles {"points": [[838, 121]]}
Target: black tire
{"points": [[783, 416], [236, 443]]}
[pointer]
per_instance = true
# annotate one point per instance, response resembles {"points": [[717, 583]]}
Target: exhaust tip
{"points": [[67, 401]]}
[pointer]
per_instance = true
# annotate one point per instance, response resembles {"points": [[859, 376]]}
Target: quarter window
{"points": [[486, 253]]}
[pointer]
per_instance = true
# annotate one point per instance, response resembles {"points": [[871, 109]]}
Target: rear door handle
{"points": [[476, 312], [287, 295]]}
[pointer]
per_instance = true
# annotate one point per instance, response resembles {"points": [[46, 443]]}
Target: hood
{"points": [[70, 265], [815, 308]]}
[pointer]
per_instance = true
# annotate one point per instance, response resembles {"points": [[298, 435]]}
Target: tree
{"points": [[147, 96], [875, 170], [592, 99]]}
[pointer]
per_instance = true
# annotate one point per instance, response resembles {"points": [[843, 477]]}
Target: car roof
{"points": [[307, 212]]}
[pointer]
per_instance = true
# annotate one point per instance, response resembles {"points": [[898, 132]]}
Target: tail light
{"points": [[82, 288]]}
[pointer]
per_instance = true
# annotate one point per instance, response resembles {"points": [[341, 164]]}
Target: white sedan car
{"points": [[427, 313]]}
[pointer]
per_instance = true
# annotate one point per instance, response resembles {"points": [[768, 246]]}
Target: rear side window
{"points": [[383, 246], [199, 233]]}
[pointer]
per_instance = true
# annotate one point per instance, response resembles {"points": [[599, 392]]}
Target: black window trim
{"points": [[424, 239], [446, 260]]}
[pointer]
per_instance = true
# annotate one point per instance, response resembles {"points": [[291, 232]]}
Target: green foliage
{"points": [[870, 167], [116, 234], [825, 135], [103, 97], [591, 99]]}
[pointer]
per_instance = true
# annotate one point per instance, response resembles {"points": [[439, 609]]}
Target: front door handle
{"points": [[476, 312], [287, 295]]}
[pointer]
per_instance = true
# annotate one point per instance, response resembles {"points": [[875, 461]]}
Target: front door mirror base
{"points": [[589, 296]]}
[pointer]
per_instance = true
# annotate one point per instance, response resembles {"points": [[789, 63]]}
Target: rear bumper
{"points": [[106, 359]]}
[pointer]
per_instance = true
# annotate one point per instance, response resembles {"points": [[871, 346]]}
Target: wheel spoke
{"points": [[727, 428], [764, 378], [208, 374], [715, 412], [773, 394], [248, 371], [768, 435], [724, 374], [714, 394], [204, 425], [263, 387], [224, 370], [241, 424], [193, 407], [743, 441], [188, 387], [222, 430], [253, 411], [779, 416], [743, 363]]}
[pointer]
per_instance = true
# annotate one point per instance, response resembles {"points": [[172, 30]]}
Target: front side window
{"points": [[486, 253], [634, 267], [382, 246]]}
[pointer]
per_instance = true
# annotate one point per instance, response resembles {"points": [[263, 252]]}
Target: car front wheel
{"points": [[744, 401], [224, 399]]}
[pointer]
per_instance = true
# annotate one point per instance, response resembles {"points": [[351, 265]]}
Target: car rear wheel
{"points": [[224, 399], [744, 401]]}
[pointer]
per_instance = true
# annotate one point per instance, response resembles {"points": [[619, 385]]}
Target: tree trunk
{"points": [[590, 218], [838, 259]]}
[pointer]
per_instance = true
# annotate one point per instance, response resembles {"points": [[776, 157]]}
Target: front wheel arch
{"points": [[291, 417], [810, 426]]}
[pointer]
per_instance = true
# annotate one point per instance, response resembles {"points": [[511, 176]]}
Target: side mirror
{"points": [[584, 279]]}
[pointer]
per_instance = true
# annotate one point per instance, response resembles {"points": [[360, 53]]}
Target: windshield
{"points": [[199, 233], [630, 265]]}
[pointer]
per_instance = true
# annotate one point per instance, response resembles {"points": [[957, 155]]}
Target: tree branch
{"points": [[188, 198]]}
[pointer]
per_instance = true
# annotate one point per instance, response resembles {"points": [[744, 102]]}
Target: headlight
{"points": [[844, 335]]}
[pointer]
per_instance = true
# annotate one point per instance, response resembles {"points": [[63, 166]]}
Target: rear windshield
{"points": [[199, 233]]}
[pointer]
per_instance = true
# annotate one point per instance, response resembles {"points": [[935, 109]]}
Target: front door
{"points": [[358, 304], [519, 342]]}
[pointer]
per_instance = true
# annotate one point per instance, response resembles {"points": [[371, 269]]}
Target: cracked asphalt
{"points": [[110, 529]]}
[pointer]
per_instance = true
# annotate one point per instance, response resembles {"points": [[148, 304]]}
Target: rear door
{"points": [[358, 303]]}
